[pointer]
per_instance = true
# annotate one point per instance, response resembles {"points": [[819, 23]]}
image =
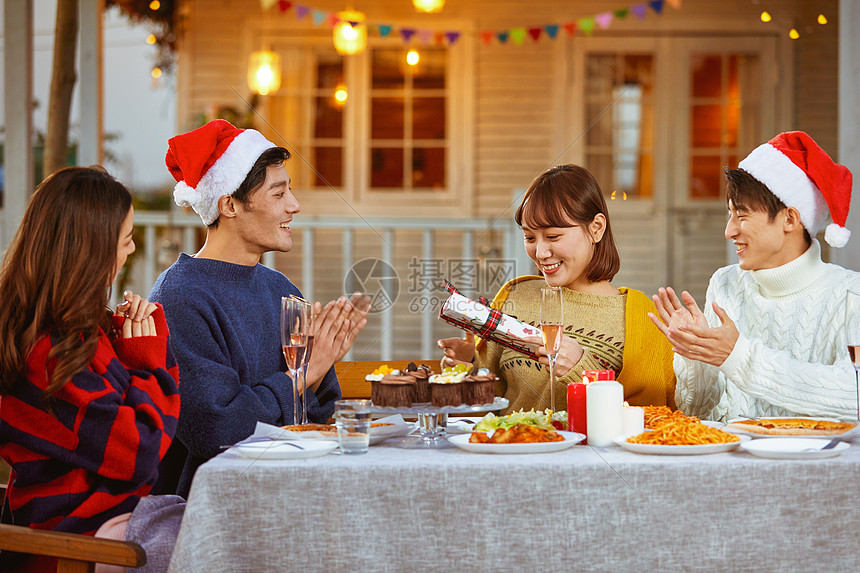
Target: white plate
{"points": [[382, 433], [793, 448], [570, 439], [743, 432], [283, 450], [676, 450]]}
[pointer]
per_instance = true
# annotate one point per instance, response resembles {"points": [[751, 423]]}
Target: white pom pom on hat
{"points": [[795, 169], [210, 162]]}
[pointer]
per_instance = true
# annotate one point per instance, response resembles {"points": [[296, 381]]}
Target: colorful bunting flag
{"points": [[516, 35], [604, 19]]}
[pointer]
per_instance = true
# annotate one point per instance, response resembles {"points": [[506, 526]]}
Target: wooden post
{"points": [[18, 93], [90, 149]]}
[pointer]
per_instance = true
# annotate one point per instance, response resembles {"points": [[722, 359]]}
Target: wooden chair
{"points": [[74, 553], [351, 375]]}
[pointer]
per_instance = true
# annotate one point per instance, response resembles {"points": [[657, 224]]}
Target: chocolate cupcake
{"points": [[479, 387], [395, 390], [446, 389], [422, 381]]}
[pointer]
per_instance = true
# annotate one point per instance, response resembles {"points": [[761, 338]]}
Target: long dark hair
{"points": [[567, 193], [57, 273]]}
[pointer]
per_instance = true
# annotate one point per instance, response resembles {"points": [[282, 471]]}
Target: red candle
{"points": [[576, 408]]}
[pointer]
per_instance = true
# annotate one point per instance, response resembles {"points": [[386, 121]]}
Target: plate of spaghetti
{"points": [[681, 437]]}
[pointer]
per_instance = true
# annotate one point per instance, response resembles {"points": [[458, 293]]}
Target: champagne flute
{"points": [[294, 333], [307, 358], [852, 326], [551, 320]]}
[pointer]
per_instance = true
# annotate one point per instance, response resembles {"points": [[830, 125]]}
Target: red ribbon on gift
{"points": [[492, 321]]}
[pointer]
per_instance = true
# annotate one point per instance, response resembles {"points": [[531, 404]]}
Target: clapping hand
{"points": [[688, 330], [138, 316], [336, 327]]}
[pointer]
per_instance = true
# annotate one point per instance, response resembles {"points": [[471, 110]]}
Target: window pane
{"points": [[600, 132], [386, 167], [706, 125], [329, 72], [428, 168], [429, 73], [600, 74], [428, 118], [386, 116], [705, 177], [328, 162], [329, 118], [707, 75], [600, 165], [387, 69]]}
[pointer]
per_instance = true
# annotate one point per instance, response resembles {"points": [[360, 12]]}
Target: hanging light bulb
{"points": [[340, 95], [412, 57], [151, 39], [350, 33], [264, 72], [822, 19], [428, 6], [793, 34], [765, 16], [154, 5], [155, 73]]}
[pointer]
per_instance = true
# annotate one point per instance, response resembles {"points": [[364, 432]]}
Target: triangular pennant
{"points": [[656, 5], [621, 14], [604, 19], [570, 28], [586, 25], [639, 10], [425, 36], [676, 4], [333, 20], [302, 11], [319, 17], [439, 38], [407, 33], [502, 36], [518, 35], [384, 30], [551, 31], [486, 37], [266, 4], [535, 33], [454, 36]]}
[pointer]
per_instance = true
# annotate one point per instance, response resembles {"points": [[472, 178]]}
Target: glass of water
{"points": [[352, 418]]}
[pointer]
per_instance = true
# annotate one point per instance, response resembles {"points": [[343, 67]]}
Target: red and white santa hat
{"points": [[210, 162], [795, 169]]}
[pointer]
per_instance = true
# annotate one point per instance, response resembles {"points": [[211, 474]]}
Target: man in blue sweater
{"points": [[223, 307]]}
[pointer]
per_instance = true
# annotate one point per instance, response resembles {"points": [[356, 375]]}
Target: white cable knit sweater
{"points": [[791, 357]]}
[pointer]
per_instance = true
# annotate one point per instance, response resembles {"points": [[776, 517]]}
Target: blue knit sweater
{"points": [[224, 323]]}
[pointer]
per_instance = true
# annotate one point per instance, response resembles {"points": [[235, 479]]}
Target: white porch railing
{"points": [[472, 230]]}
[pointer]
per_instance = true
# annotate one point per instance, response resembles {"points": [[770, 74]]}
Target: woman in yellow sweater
{"points": [[567, 234]]}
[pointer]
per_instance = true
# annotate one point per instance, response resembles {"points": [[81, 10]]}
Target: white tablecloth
{"points": [[583, 509]]}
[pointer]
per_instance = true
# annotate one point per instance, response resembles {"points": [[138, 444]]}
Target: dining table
{"points": [[580, 509]]}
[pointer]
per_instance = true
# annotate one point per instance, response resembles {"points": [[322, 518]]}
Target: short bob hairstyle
{"points": [[568, 195]]}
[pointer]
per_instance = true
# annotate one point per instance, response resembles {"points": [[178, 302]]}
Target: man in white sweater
{"points": [[771, 340]]}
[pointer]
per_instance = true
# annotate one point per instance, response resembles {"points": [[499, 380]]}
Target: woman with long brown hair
{"points": [[88, 398], [567, 233]]}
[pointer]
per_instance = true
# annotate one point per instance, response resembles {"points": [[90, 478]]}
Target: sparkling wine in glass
{"points": [[551, 323], [307, 358], [294, 339], [852, 330]]}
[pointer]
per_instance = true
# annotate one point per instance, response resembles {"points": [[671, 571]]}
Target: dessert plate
{"points": [[570, 439], [794, 448], [285, 450]]}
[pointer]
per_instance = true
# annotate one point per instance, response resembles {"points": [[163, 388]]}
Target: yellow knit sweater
{"points": [[615, 332]]}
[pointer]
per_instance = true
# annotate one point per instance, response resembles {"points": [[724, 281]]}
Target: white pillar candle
{"points": [[603, 405], [632, 420]]}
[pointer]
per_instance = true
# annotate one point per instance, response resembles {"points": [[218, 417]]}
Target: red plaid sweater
{"points": [[99, 453]]}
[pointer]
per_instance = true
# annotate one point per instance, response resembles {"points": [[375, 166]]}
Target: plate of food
{"points": [[790, 427], [794, 448], [547, 420], [518, 439], [679, 437], [284, 450]]}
